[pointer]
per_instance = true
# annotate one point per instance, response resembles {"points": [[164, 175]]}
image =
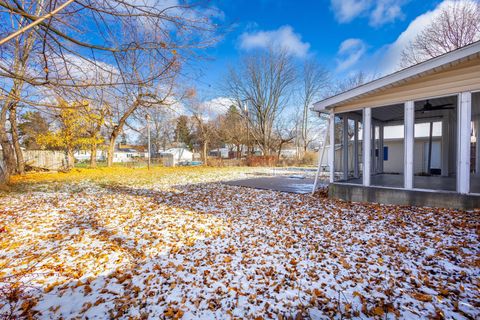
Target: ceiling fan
{"points": [[429, 107]]}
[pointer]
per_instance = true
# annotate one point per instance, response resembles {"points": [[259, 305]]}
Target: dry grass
{"points": [[129, 176]]}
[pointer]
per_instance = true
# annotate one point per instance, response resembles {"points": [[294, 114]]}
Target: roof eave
{"points": [[399, 76]]}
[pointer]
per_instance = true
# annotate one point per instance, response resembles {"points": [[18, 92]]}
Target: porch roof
{"points": [[404, 77]]}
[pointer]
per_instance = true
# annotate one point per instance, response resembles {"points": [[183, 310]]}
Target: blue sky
{"points": [[343, 35]]}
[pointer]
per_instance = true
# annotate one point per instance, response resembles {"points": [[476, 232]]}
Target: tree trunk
{"points": [[15, 139], [93, 156], [9, 161], [205, 148], [3, 175], [70, 159], [111, 149], [117, 129]]}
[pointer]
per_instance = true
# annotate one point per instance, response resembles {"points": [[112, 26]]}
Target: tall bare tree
{"points": [[457, 25], [314, 78], [232, 129], [128, 47], [264, 81]]}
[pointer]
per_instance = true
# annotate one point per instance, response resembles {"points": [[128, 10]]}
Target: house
{"points": [[122, 153], [440, 96], [219, 153], [178, 155]]}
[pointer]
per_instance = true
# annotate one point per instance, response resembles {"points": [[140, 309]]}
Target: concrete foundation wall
{"points": [[438, 199]]}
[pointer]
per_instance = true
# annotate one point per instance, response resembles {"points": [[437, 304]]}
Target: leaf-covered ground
{"points": [[177, 244]]}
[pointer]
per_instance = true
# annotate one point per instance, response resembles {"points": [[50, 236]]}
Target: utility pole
{"points": [[147, 117]]}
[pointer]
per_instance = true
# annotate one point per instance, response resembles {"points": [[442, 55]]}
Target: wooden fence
{"points": [[44, 159]]}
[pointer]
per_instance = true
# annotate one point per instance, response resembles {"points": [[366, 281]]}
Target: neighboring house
{"points": [[219, 153], [178, 155], [129, 153], [427, 116], [123, 153], [289, 153], [84, 155]]}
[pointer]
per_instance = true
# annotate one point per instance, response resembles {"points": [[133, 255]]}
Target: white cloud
{"points": [[217, 105], [352, 54], [284, 38], [349, 53], [390, 55], [386, 11], [347, 10], [379, 12]]}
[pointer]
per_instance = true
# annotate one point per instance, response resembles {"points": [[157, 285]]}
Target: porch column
{"points": [[477, 152], [374, 145], [445, 145], [367, 145], [463, 142], [345, 147], [355, 150], [331, 150], [380, 148], [408, 144]]}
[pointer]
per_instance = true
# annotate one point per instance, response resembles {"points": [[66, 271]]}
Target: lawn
{"points": [[176, 243]]}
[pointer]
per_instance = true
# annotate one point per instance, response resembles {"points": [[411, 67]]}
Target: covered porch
{"points": [[416, 130]]}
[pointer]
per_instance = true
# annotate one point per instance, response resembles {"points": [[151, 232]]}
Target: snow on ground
{"points": [[167, 248]]}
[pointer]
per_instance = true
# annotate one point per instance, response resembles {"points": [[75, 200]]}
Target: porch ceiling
{"points": [[396, 112]]}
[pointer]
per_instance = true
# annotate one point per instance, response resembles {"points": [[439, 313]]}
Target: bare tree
{"points": [[314, 78], [353, 81], [232, 129], [133, 49], [284, 133], [162, 121], [264, 81], [457, 25], [206, 126]]}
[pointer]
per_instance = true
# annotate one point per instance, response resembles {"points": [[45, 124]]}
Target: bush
{"points": [[261, 161], [219, 162]]}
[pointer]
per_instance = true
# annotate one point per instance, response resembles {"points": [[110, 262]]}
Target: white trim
{"points": [[345, 147], [439, 62], [367, 142], [381, 145], [409, 144], [373, 158], [331, 150], [463, 142], [445, 145], [356, 167]]}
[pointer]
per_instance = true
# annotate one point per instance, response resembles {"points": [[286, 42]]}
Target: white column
{"points": [[408, 144], [452, 145], [477, 154], [345, 147], [374, 145], [445, 145], [463, 141], [331, 150], [380, 148], [367, 144], [355, 150]]}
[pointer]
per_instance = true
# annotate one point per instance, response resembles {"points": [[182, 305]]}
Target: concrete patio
{"points": [[419, 182], [290, 184]]}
